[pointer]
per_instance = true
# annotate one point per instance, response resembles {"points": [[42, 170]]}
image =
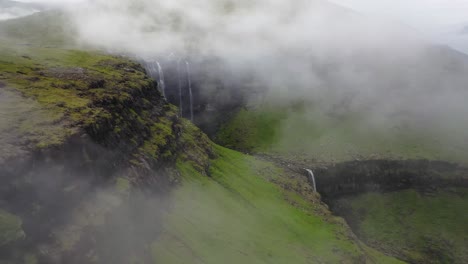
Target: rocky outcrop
{"points": [[351, 178], [409, 209], [103, 149]]}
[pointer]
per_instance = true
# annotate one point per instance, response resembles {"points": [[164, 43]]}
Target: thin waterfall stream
{"points": [[312, 179], [162, 84], [179, 76], [189, 81]]}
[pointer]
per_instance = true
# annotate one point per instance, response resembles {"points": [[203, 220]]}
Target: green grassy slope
{"points": [[416, 227], [303, 133], [237, 216]]}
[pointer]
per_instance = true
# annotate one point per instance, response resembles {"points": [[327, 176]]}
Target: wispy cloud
{"points": [[434, 18]]}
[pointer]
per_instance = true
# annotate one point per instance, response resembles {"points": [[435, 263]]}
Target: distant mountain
{"points": [[13, 9]]}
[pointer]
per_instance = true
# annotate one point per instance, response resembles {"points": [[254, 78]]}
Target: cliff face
{"points": [[357, 177], [79, 132], [59, 97]]}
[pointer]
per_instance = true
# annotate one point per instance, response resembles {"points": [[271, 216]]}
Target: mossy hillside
{"points": [[90, 114], [72, 86], [110, 98], [195, 148], [238, 215], [420, 228], [302, 132], [10, 228], [23, 121]]}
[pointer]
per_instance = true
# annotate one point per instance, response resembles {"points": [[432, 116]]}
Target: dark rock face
{"points": [[351, 178], [96, 196], [49, 188], [402, 236], [217, 93]]}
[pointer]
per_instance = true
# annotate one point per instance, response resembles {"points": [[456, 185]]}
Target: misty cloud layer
{"points": [[299, 49], [11, 9], [464, 31]]}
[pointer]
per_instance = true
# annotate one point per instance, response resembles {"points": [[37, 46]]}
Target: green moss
{"points": [[10, 228], [30, 259], [195, 147], [72, 90], [161, 136], [123, 185]]}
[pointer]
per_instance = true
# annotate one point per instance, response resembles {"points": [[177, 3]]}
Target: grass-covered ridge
{"points": [[420, 228], [71, 87], [237, 215], [70, 92]]}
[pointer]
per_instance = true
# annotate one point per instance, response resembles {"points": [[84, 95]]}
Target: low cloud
{"points": [[300, 50]]}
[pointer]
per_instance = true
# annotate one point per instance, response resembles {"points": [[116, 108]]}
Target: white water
{"points": [[162, 84], [187, 65], [179, 75], [148, 67], [312, 179]]}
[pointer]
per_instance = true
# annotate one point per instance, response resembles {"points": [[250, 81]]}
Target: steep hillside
{"points": [[386, 192], [99, 168], [79, 132], [252, 211]]}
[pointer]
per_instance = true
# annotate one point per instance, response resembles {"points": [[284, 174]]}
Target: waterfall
{"points": [[312, 179], [161, 79], [179, 75], [187, 65], [151, 69]]}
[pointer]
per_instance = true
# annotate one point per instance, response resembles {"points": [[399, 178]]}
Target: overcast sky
{"points": [[440, 20]]}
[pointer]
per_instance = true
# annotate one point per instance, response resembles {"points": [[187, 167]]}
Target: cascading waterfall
{"points": [[156, 72], [179, 75], [162, 84], [312, 179], [187, 65], [150, 68]]}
